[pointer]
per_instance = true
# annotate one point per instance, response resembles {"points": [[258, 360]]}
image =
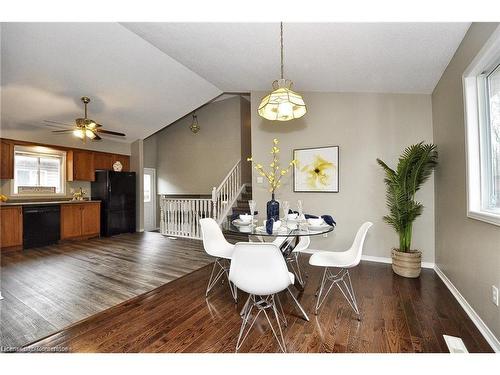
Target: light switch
{"points": [[260, 179]]}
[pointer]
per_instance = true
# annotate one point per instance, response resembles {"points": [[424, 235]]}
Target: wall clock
{"points": [[117, 166]]}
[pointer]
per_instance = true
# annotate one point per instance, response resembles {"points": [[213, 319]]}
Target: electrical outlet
{"points": [[260, 180], [494, 294], [325, 235]]}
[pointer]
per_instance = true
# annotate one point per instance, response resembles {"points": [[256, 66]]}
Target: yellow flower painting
{"points": [[317, 170]]}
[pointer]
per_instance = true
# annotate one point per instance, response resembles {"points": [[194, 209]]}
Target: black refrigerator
{"points": [[116, 191]]}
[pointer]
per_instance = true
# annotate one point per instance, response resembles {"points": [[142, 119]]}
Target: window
{"points": [[38, 171], [482, 114]]}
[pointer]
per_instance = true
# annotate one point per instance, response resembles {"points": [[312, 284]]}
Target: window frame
{"points": [[40, 151], [474, 81]]}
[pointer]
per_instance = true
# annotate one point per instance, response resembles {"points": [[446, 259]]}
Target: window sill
{"points": [[487, 217]]}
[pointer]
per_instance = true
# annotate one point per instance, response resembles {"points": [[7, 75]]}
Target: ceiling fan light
{"points": [[91, 125], [79, 133], [90, 134]]}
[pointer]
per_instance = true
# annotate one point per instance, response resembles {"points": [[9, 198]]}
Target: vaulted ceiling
{"points": [[134, 87], [144, 76], [359, 57]]}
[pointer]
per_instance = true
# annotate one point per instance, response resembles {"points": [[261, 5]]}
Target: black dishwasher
{"points": [[41, 225]]}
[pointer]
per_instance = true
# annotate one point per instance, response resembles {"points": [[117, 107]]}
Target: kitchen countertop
{"points": [[43, 203]]}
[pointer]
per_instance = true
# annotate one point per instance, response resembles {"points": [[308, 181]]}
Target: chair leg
{"points": [[349, 293], [344, 286], [294, 259], [283, 316], [298, 305], [320, 301], [245, 306], [215, 277], [263, 305]]}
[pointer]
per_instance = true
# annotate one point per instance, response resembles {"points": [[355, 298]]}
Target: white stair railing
{"points": [[180, 217], [224, 196]]}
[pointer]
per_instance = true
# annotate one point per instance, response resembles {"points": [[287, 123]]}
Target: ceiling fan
{"points": [[84, 127]]}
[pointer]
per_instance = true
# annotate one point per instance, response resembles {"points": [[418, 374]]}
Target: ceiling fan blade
{"points": [[58, 123], [63, 131], [98, 125], [96, 138], [109, 132]]}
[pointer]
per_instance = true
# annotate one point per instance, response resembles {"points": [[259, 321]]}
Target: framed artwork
{"points": [[317, 170]]}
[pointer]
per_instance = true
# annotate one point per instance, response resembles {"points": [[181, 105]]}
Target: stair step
{"points": [[240, 210], [242, 203], [246, 196]]}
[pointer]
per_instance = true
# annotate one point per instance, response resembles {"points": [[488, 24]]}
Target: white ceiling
{"points": [[134, 87], [144, 76], [360, 57]]}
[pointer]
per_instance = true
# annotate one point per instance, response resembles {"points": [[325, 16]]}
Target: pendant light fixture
{"points": [[195, 128], [282, 104]]}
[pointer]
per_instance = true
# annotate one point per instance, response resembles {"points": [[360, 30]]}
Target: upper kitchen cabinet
{"points": [[6, 160], [80, 165], [103, 160]]}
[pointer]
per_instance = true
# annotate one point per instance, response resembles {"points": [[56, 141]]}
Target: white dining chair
{"points": [[293, 259], [260, 270], [216, 245], [343, 260]]}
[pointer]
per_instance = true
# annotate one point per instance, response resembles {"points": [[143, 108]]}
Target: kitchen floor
{"points": [[49, 288]]}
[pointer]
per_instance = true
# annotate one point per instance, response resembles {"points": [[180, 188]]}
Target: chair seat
{"points": [[342, 259]]}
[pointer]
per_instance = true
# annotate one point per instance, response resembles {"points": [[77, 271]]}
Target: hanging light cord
{"points": [[281, 26]]}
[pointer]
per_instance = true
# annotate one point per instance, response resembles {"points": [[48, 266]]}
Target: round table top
{"points": [[289, 228]]}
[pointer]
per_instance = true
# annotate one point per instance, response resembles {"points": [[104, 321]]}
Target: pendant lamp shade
{"points": [[282, 104]]}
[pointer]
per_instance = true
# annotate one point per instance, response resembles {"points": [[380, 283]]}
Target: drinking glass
{"points": [[300, 209], [286, 207], [252, 205]]}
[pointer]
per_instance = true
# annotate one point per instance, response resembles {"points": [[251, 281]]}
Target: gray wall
{"points": [[365, 126], [190, 163], [137, 166], [467, 250], [246, 140]]}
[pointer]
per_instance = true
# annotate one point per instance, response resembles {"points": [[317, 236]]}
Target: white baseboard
{"points": [[481, 326], [370, 258]]}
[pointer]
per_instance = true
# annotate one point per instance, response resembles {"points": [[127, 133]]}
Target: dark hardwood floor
{"points": [[398, 315], [48, 288]]}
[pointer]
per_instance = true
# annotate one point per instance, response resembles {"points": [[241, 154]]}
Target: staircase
{"points": [[241, 206], [180, 217]]}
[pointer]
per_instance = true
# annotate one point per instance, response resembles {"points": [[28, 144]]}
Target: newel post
{"points": [[214, 203]]}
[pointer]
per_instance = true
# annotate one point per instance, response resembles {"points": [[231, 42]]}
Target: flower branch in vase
{"points": [[273, 176]]}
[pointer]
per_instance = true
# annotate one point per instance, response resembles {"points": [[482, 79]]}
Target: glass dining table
{"points": [[290, 231]]}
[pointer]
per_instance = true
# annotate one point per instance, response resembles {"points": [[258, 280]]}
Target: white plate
{"points": [[240, 223], [318, 227], [277, 231]]}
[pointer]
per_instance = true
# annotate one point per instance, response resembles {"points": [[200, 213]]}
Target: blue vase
{"points": [[273, 209]]}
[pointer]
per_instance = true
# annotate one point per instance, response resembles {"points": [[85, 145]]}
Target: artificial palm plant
{"points": [[415, 166]]}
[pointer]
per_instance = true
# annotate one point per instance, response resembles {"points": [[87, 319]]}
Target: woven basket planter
{"points": [[407, 264]]}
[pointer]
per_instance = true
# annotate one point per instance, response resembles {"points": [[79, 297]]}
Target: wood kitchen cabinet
{"points": [[103, 161], [80, 165], [80, 220], [6, 160], [11, 235], [91, 219]]}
